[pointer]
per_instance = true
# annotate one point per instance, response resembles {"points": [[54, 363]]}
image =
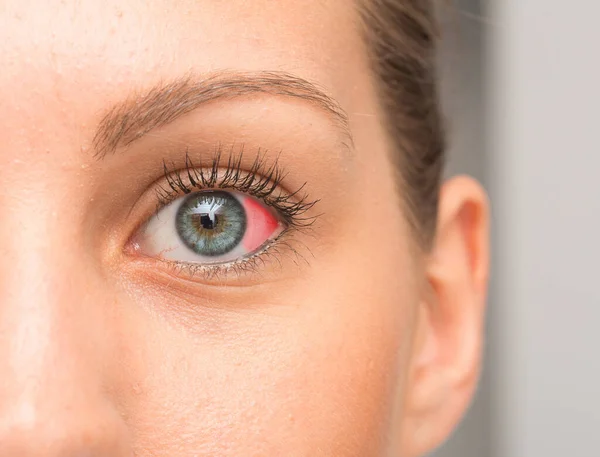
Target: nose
{"points": [[72, 432], [56, 396]]}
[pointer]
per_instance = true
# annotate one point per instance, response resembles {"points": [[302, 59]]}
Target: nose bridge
{"points": [[48, 323], [55, 342], [45, 307]]}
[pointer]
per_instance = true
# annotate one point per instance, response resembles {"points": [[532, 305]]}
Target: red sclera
{"points": [[261, 224]]}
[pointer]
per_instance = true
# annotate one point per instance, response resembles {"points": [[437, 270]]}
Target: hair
{"points": [[401, 37]]}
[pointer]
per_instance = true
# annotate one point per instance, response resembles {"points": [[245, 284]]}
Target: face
{"points": [[203, 246]]}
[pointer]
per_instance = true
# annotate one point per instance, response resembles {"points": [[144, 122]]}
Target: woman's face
{"points": [[291, 315]]}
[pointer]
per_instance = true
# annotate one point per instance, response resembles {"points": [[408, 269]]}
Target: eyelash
{"points": [[262, 181]]}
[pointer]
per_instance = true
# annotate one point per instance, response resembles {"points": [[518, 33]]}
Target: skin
{"points": [[348, 341]]}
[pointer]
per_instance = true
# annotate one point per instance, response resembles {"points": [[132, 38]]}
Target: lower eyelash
{"points": [[250, 264]]}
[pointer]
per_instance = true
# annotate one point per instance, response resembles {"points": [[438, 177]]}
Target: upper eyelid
{"points": [[234, 172], [263, 180]]}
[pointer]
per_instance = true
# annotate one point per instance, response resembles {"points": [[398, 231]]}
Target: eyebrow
{"points": [[141, 113]]}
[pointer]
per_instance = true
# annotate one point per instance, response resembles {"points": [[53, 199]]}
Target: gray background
{"points": [[463, 73], [521, 90]]}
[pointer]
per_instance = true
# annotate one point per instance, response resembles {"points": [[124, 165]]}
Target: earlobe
{"points": [[448, 339]]}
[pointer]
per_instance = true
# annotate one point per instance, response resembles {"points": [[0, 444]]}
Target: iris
{"points": [[211, 223]]}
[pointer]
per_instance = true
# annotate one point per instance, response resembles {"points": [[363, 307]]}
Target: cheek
{"points": [[317, 379]]}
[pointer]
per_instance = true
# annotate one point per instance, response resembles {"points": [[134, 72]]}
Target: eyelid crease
{"points": [[130, 120]]}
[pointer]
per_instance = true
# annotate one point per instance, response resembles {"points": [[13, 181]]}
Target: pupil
{"points": [[207, 222]]}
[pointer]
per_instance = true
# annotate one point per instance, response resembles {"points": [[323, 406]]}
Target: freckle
{"points": [[136, 389]]}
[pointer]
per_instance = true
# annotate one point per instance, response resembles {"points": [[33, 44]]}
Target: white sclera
{"points": [[159, 237]]}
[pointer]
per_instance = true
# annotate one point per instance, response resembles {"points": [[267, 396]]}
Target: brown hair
{"points": [[401, 37]]}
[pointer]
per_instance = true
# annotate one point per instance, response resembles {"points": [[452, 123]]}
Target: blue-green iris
{"points": [[211, 223]]}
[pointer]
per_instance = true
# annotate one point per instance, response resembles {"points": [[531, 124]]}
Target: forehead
{"points": [[210, 32], [61, 50]]}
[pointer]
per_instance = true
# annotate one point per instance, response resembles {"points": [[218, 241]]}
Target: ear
{"points": [[448, 338]]}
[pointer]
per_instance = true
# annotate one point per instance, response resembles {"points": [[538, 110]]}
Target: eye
{"points": [[209, 227]]}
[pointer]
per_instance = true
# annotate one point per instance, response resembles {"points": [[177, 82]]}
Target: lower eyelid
{"points": [[238, 269]]}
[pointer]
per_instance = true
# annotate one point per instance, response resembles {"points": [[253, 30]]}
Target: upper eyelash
{"points": [[261, 180]]}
